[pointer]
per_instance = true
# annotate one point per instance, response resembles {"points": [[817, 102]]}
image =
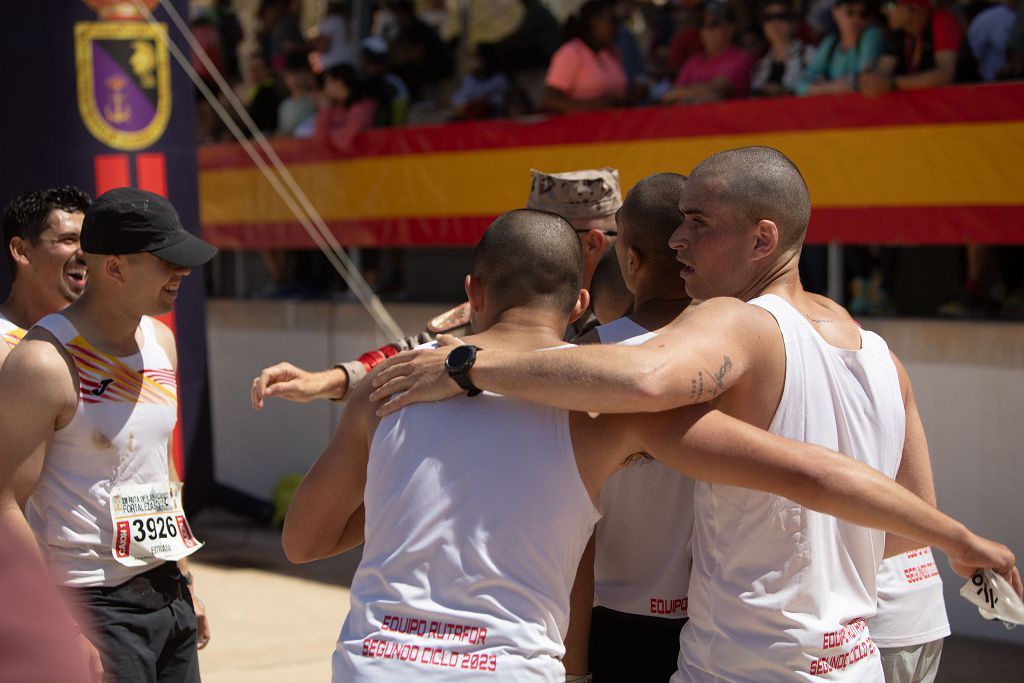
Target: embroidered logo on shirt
{"points": [[104, 383]]}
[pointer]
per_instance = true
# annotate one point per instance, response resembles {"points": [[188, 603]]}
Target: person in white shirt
{"points": [[476, 511], [640, 572], [778, 592], [88, 404], [334, 37]]}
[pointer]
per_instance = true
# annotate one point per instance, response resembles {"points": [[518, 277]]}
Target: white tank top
{"points": [[911, 608], [779, 592], [643, 568], [10, 333], [127, 409], [476, 519]]}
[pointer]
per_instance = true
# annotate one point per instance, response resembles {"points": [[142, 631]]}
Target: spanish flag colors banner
{"points": [[930, 167]]}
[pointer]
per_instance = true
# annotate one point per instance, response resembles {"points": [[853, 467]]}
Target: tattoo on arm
{"points": [[716, 379]]}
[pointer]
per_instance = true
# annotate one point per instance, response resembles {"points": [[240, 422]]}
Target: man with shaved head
{"points": [[641, 571], [778, 592]]}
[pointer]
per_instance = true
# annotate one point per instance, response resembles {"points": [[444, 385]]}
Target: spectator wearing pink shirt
{"points": [[722, 70], [586, 73], [346, 110]]}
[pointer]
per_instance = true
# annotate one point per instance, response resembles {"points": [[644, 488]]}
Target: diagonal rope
{"points": [[280, 178]]}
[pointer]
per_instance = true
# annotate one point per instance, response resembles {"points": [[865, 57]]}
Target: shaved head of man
{"points": [[745, 215], [648, 218], [553, 273]]}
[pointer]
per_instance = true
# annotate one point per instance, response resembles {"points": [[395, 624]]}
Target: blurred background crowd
{"points": [[329, 70]]}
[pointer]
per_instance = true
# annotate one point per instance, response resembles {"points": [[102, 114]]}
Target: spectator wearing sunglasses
{"points": [[921, 49], [779, 71], [844, 54], [721, 70]]}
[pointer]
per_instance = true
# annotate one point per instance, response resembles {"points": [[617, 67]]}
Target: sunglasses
{"points": [[610, 233], [777, 16], [858, 13]]}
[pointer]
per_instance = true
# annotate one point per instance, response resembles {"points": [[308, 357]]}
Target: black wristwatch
{"points": [[458, 364]]}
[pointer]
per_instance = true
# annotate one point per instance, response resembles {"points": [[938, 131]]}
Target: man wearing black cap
{"points": [[88, 404]]}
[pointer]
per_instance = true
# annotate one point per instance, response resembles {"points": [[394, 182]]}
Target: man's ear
{"points": [[475, 293], [582, 304], [595, 241], [766, 239], [114, 268], [633, 260], [17, 248]]}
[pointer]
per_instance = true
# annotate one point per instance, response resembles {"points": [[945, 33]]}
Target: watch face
{"points": [[459, 357]]}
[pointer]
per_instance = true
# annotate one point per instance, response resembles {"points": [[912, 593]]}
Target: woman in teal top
{"points": [[843, 54]]}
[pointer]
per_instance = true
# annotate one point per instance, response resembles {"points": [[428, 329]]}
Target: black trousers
{"points": [[628, 648], [146, 628]]}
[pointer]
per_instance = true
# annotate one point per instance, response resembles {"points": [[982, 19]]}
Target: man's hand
{"points": [[415, 377], [286, 381], [92, 658], [202, 623], [981, 553]]}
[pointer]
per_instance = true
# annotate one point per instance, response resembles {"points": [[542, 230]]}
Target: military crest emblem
{"points": [[124, 81]]}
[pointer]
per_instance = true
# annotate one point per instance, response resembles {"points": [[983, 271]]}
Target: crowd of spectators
{"points": [[332, 80], [608, 53]]}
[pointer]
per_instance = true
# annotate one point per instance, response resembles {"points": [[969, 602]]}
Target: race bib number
{"points": [[149, 523]]}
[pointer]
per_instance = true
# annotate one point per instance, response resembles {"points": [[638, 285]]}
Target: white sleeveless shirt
{"points": [[911, 607], [127, 409], [779, 592], [476, 519], [10, 334], [643, 568]]}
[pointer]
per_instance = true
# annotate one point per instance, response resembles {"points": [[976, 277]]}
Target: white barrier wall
{"points": [[253, 450], [968, 378]]}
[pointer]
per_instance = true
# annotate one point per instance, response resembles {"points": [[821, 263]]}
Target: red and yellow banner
{"points": [[933, 167]]}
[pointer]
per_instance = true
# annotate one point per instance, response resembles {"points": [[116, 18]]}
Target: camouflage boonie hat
{"points": [[591, 193]]}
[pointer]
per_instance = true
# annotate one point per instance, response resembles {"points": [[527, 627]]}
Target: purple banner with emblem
{"points": [[93, 99]]}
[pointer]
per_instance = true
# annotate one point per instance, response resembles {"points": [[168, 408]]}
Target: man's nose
{"points": [[678, 240]]}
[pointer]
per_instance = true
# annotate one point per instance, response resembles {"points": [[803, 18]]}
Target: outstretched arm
{"points": [[915, 472], [320, 519], [710, 446], [292, 383], [703, 353]]}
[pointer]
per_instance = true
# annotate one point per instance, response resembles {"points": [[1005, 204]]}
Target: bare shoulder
{"points": [[901, 372], [831, 305], [728, 315], [165, 338], [38, 366]]}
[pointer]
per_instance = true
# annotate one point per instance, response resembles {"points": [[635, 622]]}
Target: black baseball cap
{"points": [[131, 221]]}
